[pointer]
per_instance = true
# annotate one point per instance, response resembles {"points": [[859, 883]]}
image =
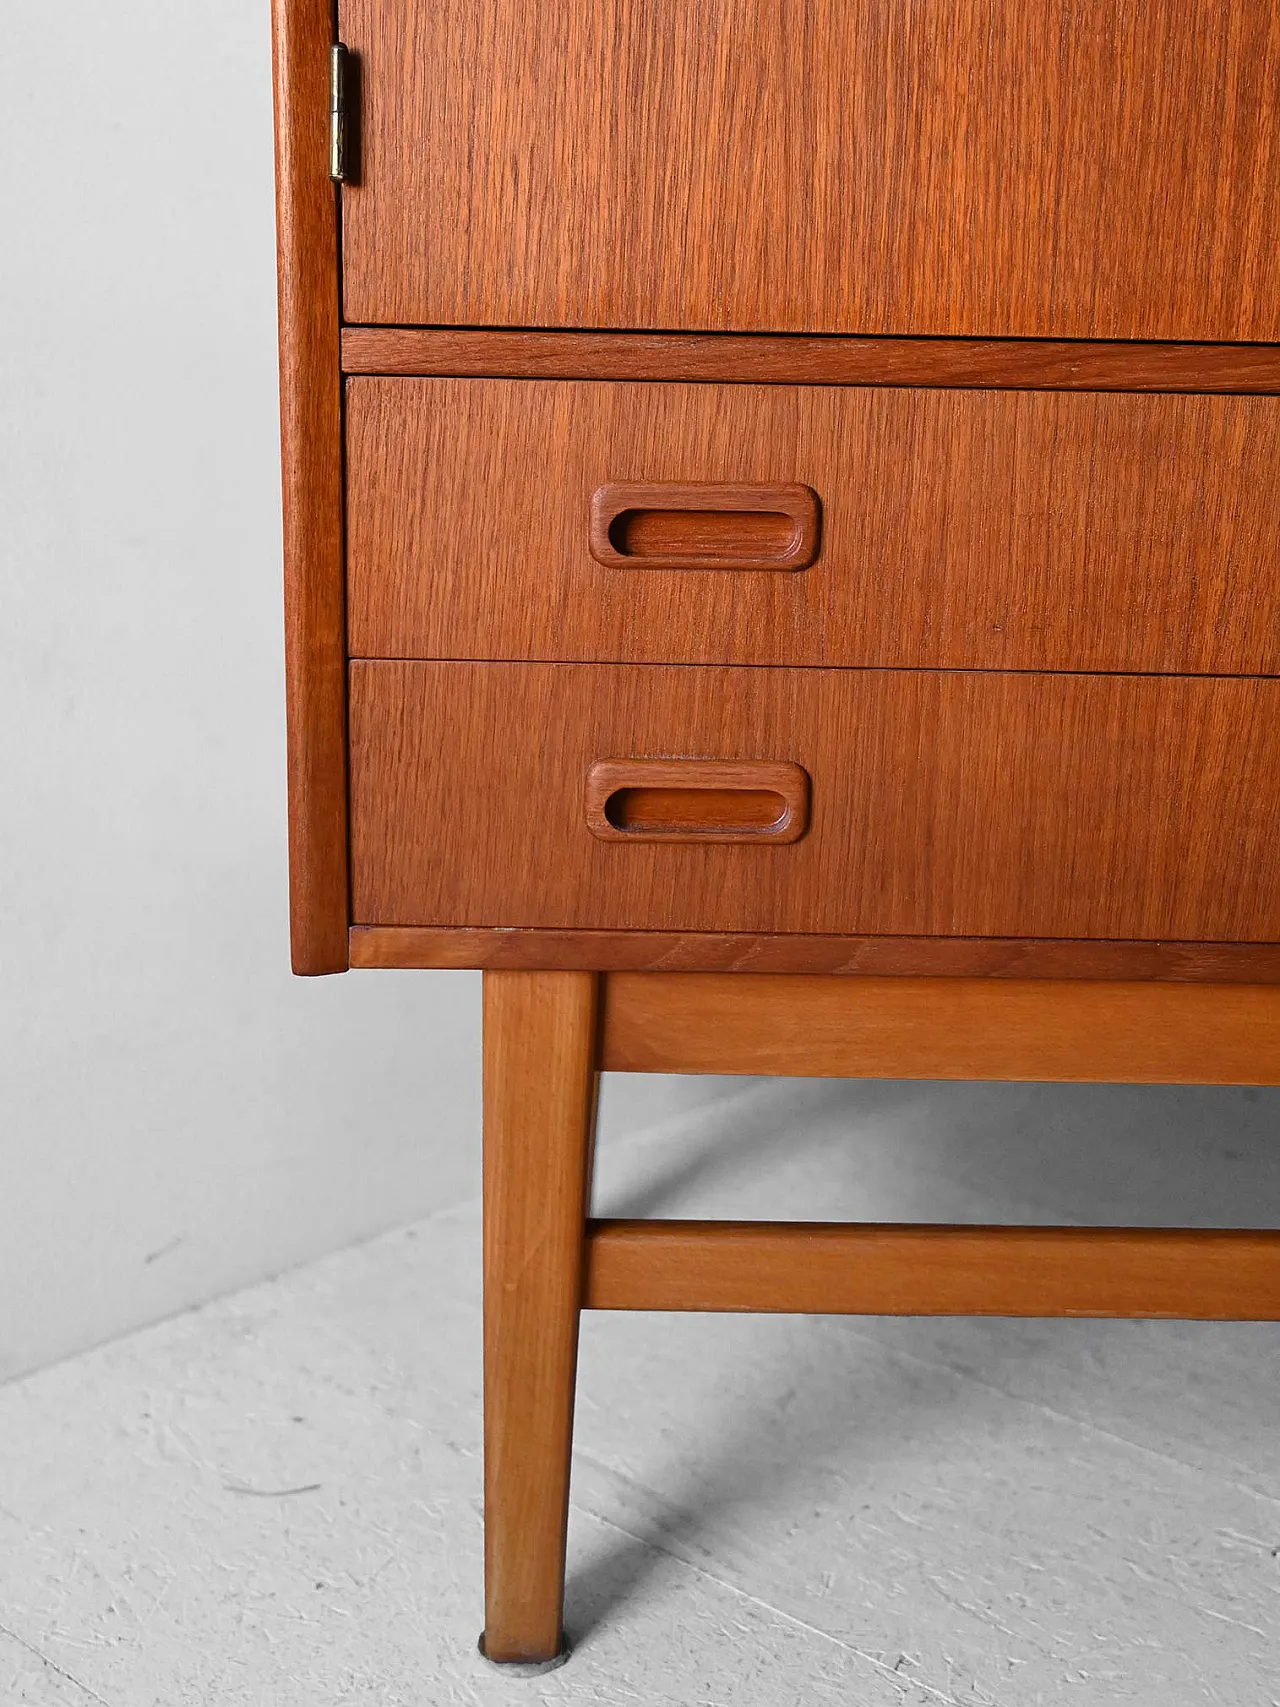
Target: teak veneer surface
{"points": [[407, 946], [988, 167], [311, 466], [943, 803], [794, 359], [983, 529]]}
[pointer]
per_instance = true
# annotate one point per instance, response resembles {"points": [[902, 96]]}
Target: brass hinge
{"points": [[338, 113]]}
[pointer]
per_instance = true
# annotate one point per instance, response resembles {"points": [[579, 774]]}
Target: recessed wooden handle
{"points": [[660, 525], [697, 800]]}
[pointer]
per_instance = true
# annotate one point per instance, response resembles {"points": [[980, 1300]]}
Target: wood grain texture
{"points": [[984, 167], [970, 529], [942, 1028], [409, 946], [875, 1270], [793, 359], [311, 459], [738, 800], [943, 803], [539, 1102]]}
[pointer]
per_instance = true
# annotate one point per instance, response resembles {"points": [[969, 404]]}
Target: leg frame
{"points": [[539, 1106], [548, 1033]]}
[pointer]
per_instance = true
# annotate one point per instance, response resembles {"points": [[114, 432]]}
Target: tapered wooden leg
{"points": [[539, 1104]]}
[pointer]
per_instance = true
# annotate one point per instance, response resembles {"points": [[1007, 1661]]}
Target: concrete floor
{"points": [[276, 1499]]}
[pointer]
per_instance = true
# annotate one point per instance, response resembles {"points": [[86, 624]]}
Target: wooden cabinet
{"points": [[778, 488]]}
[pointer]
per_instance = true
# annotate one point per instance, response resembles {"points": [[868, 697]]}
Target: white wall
{"points": [[178, 1115]]}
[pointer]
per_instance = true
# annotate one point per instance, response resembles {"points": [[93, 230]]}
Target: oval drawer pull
{"points": [[707, 525], [697, 800]]}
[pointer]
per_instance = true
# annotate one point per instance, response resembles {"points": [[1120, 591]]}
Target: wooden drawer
{"points": [[1024, 168], [942, 803], [970, 529]]}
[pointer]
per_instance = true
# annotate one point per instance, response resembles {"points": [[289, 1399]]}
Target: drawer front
{"points": [[541, 519], [1026, 168], [933, 803]]}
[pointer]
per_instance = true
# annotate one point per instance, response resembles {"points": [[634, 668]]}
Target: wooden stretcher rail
{"points": [[953, 1028], [1027, 364], [885, 1270]]}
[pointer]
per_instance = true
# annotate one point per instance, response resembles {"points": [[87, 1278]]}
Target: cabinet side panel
{"points": [[311, 460]]}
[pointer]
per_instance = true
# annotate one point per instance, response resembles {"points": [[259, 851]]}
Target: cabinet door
{"points": [[1067, 168]]}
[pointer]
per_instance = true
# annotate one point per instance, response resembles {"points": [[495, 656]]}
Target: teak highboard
{"points": [[781, 572]]}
